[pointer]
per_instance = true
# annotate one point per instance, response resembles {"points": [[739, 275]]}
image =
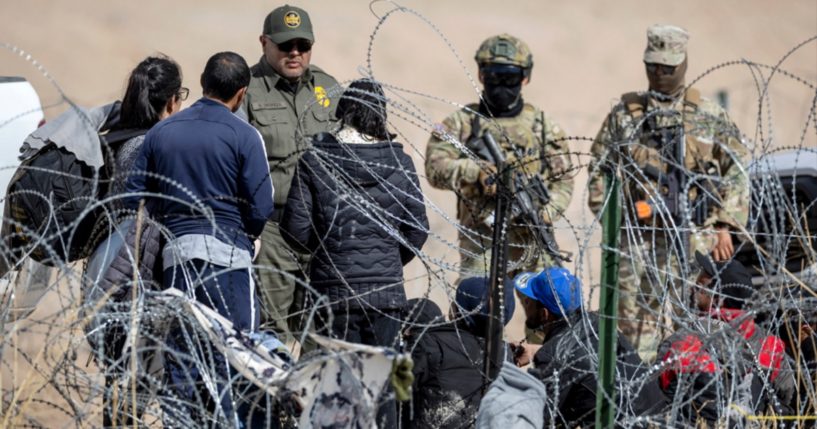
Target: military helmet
{"points": [[505, 49]]}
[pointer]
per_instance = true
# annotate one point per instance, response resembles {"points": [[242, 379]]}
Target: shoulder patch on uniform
{"points": [[321, 96], [439, 131], [263, 105]]}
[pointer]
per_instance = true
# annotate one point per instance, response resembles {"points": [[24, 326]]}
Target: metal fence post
{"points": [[608, 306], [499, 248]]}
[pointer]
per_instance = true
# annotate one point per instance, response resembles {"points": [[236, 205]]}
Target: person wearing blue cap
{"points": [[448, 356], [567, 361]]}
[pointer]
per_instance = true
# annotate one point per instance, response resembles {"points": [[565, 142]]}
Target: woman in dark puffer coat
{"points": [[357, 206]]}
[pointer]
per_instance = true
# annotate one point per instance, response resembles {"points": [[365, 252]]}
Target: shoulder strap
{"points": [[692, 98], [113, 138], [474, 127], [635, 104], [543, 144]]}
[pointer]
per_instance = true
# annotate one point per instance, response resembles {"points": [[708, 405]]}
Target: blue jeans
{"points": [[232, 294]]}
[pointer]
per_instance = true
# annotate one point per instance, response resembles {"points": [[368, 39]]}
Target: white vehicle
{"points": [[783, 218], [20, 114]]}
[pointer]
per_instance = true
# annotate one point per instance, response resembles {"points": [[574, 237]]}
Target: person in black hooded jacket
{"points": [[568, 361], [448, 357], [356, 205]]}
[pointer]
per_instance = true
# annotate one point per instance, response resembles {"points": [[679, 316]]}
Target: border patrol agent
{"points": [[528, 137], [288, 100], [718, 192]]}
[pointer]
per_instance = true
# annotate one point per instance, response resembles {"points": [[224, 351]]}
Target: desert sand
{"points": [[586, 54]]}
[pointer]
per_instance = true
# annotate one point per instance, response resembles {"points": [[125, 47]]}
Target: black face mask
{"points": [[503, 99], [667, 80]]}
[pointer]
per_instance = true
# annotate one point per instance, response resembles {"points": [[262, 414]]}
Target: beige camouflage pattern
{"points": [[645, 311], [666, 44], [713, 149], [449, 167], [504, 49]]}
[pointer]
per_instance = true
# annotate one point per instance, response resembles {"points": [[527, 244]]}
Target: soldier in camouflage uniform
{"points": [[713, 163], [288, 100], [522, 130]]}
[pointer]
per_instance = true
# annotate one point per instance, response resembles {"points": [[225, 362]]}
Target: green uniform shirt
{"points": [[286, 115]]}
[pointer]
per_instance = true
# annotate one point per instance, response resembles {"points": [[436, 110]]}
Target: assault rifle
{"points": [[672, 184], [528, 195]]}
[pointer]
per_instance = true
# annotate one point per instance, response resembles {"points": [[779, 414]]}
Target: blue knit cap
{"points": [[473, 292], [558, 290]]}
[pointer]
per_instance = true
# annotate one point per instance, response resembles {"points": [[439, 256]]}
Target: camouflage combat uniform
{"points": [[448, 167], [649, 266], [529, 139]]}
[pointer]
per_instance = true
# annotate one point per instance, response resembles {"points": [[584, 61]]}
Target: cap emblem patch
{"points": [[292, 19]]}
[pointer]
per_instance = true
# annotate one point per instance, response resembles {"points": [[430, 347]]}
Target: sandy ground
{"points": [[586, 54]]}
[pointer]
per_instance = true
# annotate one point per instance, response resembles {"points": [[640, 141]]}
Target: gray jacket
{"points": [[515, 399]]}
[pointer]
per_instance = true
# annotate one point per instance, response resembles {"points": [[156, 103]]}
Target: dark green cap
{"points": [[286, 23]]}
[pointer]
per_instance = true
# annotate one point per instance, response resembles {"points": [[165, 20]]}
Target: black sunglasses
{"points": [[183, 93], [665, 69], [502, 77], [303, 45]]}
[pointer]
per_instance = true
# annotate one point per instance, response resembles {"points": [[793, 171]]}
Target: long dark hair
{"points": [[363, 107], [154, 82]]}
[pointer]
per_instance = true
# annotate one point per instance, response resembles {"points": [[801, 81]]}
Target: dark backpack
{"points": [[52, 201]]}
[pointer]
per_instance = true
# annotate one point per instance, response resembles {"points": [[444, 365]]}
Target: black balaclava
{"points": [[671, 85], [501, 99]]}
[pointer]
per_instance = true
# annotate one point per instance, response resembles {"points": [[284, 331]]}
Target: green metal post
{"points": [[608, 306]]}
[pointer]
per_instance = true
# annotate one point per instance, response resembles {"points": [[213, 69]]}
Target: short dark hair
{"points": [[154, 82], [225, 74], [363, 107]]}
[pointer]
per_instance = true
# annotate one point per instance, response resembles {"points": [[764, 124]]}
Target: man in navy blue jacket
{"points": [[207, 179]]}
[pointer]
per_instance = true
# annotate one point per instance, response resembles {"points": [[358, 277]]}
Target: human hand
{"points": [[523, 353], [487, 178], [723, 249]]}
